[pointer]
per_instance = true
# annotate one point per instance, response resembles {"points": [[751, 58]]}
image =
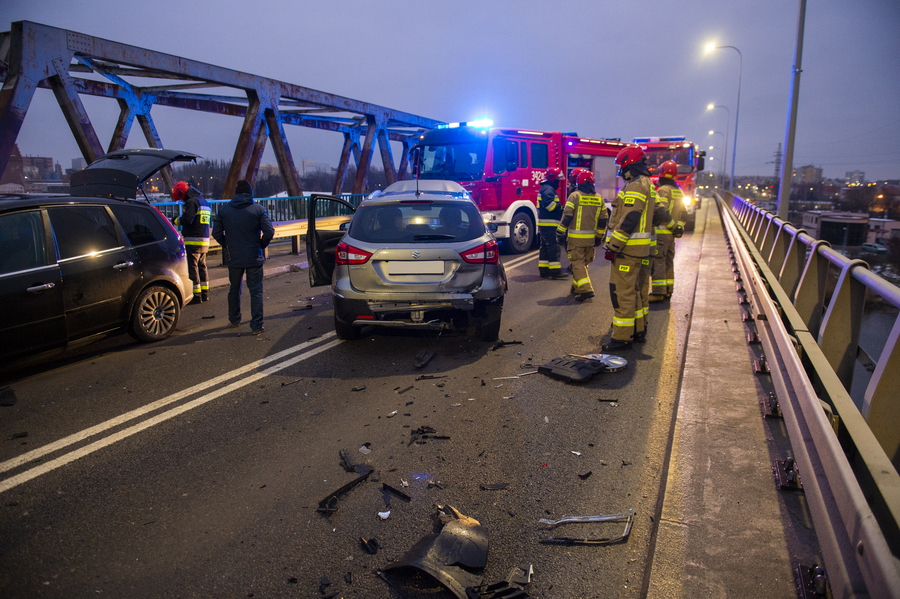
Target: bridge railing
{"points": [[279, 209], [810, 303]]}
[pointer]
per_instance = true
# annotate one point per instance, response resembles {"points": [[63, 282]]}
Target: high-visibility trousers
{"points": [[642, 292], [662, 274], [580, 257], [548, 255], [625, 294]]}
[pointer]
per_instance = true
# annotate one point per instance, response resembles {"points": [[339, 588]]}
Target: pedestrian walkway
{"points": [[723, 531]]}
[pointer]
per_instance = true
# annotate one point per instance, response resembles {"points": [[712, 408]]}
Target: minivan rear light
{"points": [[485, 253], [347, 254]]}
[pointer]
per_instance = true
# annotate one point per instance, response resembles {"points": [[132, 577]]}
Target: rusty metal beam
{"points": [[43, 56]]}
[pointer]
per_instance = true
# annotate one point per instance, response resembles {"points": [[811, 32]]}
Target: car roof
{"points": [[9, 202], [119, 174], [424, 189]]}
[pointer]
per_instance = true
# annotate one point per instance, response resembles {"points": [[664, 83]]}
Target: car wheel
{"points": [[346, 332], [155, 314], [521, 233]]}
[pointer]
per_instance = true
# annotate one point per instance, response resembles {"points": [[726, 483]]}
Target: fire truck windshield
{"points": [[455, 162], [682, 156]]}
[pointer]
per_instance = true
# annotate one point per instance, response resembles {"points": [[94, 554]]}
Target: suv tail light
{"points": [[347, 254], [486, 253]]}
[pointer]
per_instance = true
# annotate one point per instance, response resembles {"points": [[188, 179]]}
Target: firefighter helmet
{"points": [[553, 174], [585, 176], [179, 190], [573, 174], [628, 156], [668, 169]]}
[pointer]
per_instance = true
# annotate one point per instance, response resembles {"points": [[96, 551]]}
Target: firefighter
{"points": [[670, 196], [573, 175], [195, 222], [549, 213], [628, 245], [581, 228]]}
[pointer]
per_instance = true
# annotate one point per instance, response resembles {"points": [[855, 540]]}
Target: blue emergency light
{"points": [[476, 124]]}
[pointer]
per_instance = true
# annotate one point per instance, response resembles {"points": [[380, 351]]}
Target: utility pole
{"points": [[787, 165]]}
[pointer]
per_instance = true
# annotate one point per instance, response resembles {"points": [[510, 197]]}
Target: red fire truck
{"points": [[689, 158], [503, 170]]}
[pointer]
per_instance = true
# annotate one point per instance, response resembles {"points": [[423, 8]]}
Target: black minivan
{"points": [[98, 261]]}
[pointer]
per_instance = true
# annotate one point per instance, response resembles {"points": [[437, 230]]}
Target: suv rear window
{"points": [[428, 222]]}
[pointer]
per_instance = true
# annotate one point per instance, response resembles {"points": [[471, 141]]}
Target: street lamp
{"points": [[737, 110], [724, 155], [712, 106]]}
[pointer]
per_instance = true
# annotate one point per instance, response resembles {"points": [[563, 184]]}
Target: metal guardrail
{"points": [[279, 209], [809, 302]]}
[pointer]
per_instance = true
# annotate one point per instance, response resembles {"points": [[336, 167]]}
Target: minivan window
{"points": [[82, 230], [22, 241], [139, 224]]}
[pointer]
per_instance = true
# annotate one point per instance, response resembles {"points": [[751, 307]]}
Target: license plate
{"points": [[409, 267]]}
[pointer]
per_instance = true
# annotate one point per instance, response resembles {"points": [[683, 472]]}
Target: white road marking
{"points": [[114, 422]]}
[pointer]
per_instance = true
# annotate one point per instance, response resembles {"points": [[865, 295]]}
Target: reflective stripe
{"points": [[580, 282], [623, 322], [591, 201], [582, 234], [196, 241], [548, 222], [620, 236]]}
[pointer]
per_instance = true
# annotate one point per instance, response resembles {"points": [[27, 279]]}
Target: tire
{"points": [[346, 332], [155, 314], [486, 318], [521, 233]]}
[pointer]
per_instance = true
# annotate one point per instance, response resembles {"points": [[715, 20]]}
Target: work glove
{"points": [[598, 241], [677, 231], [561, 238], [610, 255]]}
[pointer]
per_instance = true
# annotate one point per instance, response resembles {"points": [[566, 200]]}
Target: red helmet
{"points": [[629, 155], [573, 175], [179, 190], [585, 176], [668, 169], [553, 174]]}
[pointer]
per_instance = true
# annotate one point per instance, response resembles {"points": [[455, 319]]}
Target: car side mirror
{"points": [[492, 227]]}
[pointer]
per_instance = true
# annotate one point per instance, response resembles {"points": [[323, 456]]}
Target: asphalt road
{"points": [[193, 467]]}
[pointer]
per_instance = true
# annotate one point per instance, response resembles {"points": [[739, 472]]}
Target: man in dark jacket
{"points": [[194, 222], [243, 229]]}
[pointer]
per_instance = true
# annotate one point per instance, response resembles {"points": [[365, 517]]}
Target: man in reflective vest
{"points": [[194, 221], [549, 213], [628, 244], [669, 195], [581, 228]]}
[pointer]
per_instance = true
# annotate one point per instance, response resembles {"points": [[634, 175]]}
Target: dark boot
{"points": [[616, 345], [580, 297]]}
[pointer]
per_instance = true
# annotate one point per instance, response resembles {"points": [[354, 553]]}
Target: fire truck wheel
{"points": [[521, 233]]}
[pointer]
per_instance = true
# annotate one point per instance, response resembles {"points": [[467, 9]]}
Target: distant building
{"points": [[882, 229], [837, 228], [309, 166], [855, 178], [79, 164]]}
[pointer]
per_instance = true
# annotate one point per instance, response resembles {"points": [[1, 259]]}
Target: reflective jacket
{"points": [[631, 224], [549, 208], [584, 219], [670, 194], [195, 221]]}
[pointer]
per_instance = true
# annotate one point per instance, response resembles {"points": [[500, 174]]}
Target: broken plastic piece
{"points": [[370, 546], [384, 515], [329, 504], [455, 556], [627, 518], [585, 474], [579, 369], [512, 588], [396, 492], [7, 396], [423, 358], [612, 363], [494, 487], [500, 344]]}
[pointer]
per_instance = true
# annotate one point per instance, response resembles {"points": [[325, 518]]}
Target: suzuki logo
{"points": [[416, 254]]}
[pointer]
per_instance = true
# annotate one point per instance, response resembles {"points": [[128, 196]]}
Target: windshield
{"points": [[420, 221], [683, 157], [456, 162]]}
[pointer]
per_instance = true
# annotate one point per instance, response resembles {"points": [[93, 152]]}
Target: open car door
{"points": [[321, 242]]}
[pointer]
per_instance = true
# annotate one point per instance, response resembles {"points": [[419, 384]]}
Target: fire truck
{"points": [[503, 168], [689, 158]]}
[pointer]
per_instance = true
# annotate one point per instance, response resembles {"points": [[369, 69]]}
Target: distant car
{"points": [[415, 256], [874, 248], [94, 262]]}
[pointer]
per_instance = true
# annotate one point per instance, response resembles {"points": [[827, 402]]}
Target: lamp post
{"points": [[787, 159], [724, 155], [712, 106], [737, 110]]}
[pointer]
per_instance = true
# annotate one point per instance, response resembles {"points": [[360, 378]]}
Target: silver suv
{"points": [[416, 255]]}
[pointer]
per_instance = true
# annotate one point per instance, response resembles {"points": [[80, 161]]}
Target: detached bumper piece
{"points": [[627, 518], [455, 556]]}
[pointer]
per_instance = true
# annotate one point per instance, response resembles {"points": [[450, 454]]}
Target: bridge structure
{"points": [[73, 64]]}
